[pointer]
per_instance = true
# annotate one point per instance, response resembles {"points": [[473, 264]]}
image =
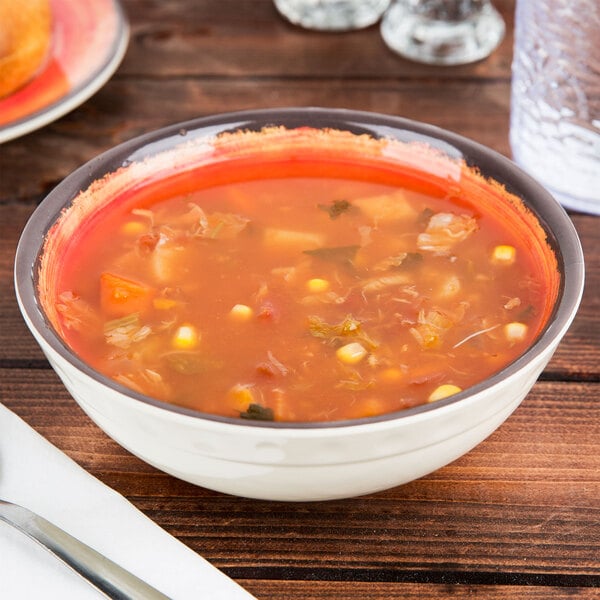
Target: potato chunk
{"points": [[387, 207], [291, 239]]}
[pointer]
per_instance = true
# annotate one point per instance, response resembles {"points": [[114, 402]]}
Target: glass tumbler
{"points": [[332, 15], [442, 32], [555, 98]]}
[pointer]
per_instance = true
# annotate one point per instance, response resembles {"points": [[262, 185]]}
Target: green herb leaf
{"points": [[257, 412], [424, 217], [339, 254], [336, 208], [526, 314], [190, 363], [411, 260]]}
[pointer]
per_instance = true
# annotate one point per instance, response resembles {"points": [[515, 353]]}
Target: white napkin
{"points": [[37, 475]]}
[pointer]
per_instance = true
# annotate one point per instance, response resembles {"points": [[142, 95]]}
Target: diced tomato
{"points": [[267, 311], [120, 296], [266, 369], [147, 242]]}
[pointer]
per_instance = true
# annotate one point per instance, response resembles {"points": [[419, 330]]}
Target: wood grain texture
{"points": [[236, 55], [517, 517], [221, 38], [525, 501], [122, 110], [317, 590]]}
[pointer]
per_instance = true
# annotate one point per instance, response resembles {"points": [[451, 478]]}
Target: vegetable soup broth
{"points": [[299, 298]]}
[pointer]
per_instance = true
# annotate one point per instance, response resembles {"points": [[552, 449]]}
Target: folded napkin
{"points": [[40, 477]]}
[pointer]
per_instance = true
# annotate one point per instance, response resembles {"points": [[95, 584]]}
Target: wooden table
{"points": [[518, 517]]}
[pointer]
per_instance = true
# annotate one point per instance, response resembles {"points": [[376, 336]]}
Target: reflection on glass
{"points": [[332, 15], [442, 32]]}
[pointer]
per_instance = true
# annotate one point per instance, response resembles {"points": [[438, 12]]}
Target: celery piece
{"points": [[339, 254]]}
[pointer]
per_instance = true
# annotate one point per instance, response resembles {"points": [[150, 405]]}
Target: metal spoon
{"points": [[105, 575]]}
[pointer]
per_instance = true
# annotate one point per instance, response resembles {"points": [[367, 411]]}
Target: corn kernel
{"points": [[515, 331], [241, 312], [351, 353], [133, 228], [317, 285], [391, 375], [186, 337], [443, 391], [241, 396], [370, 407], [504, 255]]}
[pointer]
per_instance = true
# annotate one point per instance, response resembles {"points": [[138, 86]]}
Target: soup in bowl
{"points": [[299, 304]]}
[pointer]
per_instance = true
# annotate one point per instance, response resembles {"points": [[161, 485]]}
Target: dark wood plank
{"points": [[517, 517], [15, 338], [578, 355], [126, 108], [165, 87], [233, 38], [317, 590], [526, 498]]}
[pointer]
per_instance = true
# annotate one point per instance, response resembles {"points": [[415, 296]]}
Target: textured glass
{"points": [[555, 104]]}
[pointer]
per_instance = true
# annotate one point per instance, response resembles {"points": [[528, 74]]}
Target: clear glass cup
{"points": [[442, 32], [332, 15], [555, 98]]}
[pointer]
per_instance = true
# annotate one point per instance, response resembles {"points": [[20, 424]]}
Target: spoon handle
{"points": [[105, 575]]}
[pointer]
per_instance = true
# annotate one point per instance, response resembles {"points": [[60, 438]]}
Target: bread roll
{"points": [[25, 30]]}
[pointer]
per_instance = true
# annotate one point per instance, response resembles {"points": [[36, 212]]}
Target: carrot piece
{"points": [[120, 296]]}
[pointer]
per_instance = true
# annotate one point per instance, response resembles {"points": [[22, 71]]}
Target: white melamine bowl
{"points": [[300, 461]]}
